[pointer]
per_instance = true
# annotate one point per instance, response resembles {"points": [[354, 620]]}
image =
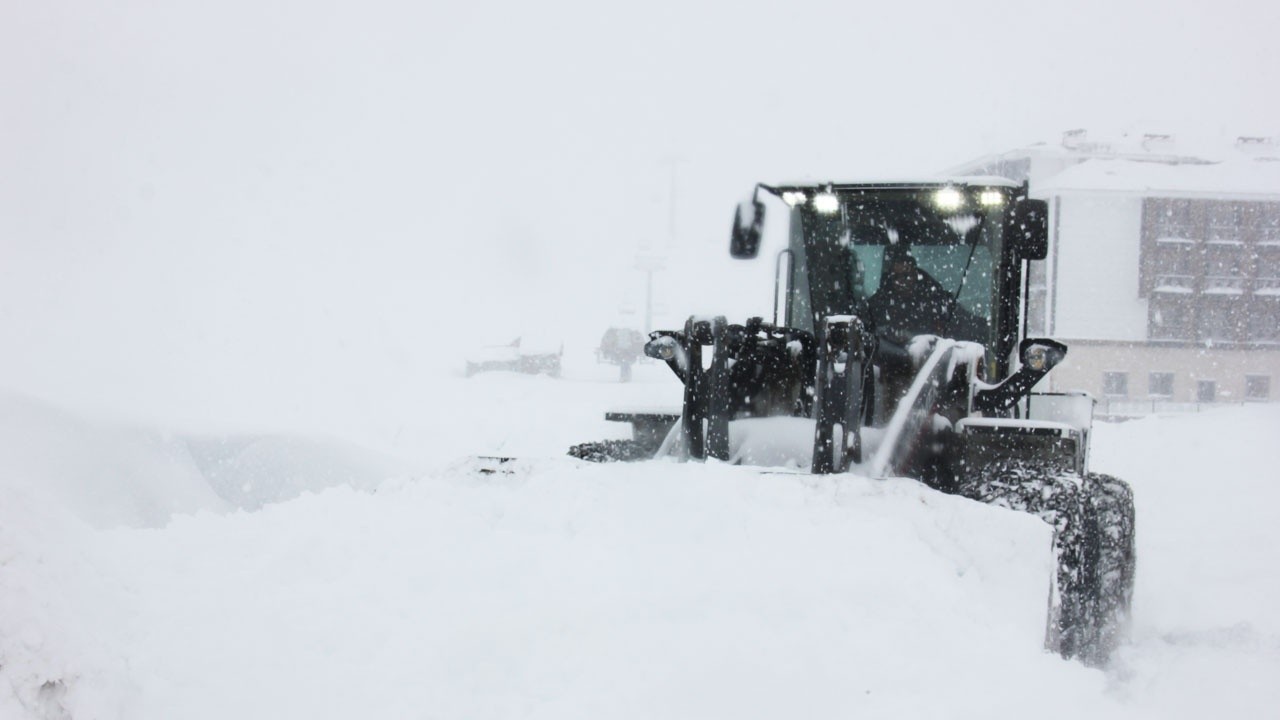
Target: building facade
{"points": [[1163, 274]]}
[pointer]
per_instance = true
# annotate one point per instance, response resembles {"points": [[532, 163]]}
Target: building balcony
{"points": [[1226, 235], [1176, 234], [1224, 285], [1175, 284]]}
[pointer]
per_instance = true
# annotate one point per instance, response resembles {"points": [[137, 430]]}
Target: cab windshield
{"points": [[908, 262]]}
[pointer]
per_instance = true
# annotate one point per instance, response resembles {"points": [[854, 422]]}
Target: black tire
{"points": [[1110, 531], [1093, 545], [1025, 487]]}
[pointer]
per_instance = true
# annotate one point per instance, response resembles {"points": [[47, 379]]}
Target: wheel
{"points": [[1110, 533], [1093, 545], [1025, 486]]}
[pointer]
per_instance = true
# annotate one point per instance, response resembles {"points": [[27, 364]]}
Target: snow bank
{"points": [[567, 590], [105, 474], [249, 471], [1206, 637], [111, 474], [563, 590]]}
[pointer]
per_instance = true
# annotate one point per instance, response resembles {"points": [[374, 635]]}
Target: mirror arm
{"points": [[1008, 393], [1004, 396]]}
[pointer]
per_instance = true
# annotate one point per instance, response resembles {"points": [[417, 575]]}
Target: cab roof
{"points": [[922, 184]]}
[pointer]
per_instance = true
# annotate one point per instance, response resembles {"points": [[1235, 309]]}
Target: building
{"points": [[1163, 274]]}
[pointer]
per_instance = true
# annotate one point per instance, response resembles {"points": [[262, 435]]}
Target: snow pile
{"points": [[111, 474], [554, 588], [105, 474], [56, 614], [1206, 637], [250, 471], [560, 590]]}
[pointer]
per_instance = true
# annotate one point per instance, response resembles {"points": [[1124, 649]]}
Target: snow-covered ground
{"points": [[150, 572]]}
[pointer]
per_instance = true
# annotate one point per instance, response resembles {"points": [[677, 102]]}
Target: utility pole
{"points": [[649, 264], [671, 203]]}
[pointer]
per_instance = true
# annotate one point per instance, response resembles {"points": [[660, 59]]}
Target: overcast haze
{"points": [[251, 210]]}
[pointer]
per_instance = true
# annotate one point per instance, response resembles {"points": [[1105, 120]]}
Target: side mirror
{"points": [[1027, 228], [1039, 355], [748, 224]]}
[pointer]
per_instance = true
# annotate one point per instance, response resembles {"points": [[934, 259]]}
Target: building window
{"points": [[1115, 384], [1210, 270], [1225, 264], [1226, 222], [1206, 391], [1265, 222], [1257, 387], [1172, 245], [1160, 385], [1221, 319], [1169, 319], [1268, 263], [1175, 219], [1173, 265], [1263, 322]]}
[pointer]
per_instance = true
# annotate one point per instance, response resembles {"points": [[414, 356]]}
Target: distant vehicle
{"points": [[517, 356], [621, 346]]}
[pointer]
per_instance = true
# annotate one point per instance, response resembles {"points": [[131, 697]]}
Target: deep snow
{"points": [[164, 574]]}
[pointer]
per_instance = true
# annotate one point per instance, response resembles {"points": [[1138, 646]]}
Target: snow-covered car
{"points": [[534, 358]]}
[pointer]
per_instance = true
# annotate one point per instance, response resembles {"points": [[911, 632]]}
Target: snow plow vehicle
{"points": [[898, 349]]}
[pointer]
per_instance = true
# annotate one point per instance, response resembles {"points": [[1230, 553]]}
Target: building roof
{"points": [[1143, 163], [1240, 178]]}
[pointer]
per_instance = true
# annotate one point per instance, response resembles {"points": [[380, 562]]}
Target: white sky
{"points": [[218, 208]]}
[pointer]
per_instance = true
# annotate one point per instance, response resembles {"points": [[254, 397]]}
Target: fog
{"points": [[273, 212]]}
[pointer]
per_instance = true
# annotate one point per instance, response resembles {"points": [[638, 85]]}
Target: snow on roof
{"points": [[1143, 162], [1237, 178], [922, 181]]}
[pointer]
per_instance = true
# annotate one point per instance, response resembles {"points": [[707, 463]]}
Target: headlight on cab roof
{"points": [[826, 203], [948, 198], [991, 198]]}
